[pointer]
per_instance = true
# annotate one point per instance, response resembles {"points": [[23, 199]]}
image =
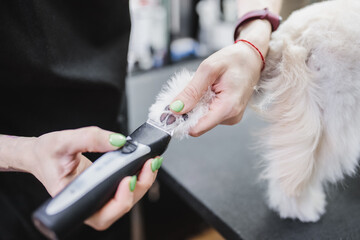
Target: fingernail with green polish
{"points": [[177, 106], [132, 183], [160, 160], [117, 139], [154, 164]]}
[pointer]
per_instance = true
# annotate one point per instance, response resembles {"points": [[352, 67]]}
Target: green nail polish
{"points": [[160, 160], [132, 183], [154, 164], [177, 106], [117, 139]]}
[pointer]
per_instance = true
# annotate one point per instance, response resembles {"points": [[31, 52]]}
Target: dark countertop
{"points": [[217, 175]]}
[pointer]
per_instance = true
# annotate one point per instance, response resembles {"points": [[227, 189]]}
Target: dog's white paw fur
{"points": [[307, 207], [309, 93]]}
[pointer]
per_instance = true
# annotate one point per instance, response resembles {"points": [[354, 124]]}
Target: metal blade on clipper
{"points": [[168, 121], [160, 126]]}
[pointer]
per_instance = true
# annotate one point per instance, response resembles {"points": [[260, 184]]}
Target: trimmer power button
{"points": [[129, 147]]}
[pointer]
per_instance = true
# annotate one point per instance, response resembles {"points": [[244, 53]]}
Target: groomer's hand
{"points": [[58, 159], [232, 73]]}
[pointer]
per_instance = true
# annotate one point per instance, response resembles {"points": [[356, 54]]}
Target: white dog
{"points": [[310, 94]]}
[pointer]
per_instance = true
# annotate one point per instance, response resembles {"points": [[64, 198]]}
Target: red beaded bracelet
{"points": [[261, 55]]}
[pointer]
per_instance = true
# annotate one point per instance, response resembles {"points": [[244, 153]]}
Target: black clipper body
{"points": [[97, 184]]}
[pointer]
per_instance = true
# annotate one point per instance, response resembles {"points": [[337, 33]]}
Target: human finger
{"points": [[219, 110], [147, 177], [92, 139], [207, 73], [120, 204]]}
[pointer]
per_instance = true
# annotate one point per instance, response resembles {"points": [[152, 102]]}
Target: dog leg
{"points": [[293, 137]]}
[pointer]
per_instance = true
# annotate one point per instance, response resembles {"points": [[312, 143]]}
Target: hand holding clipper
{"points": [[97, 184]]}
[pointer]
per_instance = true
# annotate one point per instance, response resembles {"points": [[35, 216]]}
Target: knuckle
{"points": [[234, 113], [235, 117], [91, 133], [103, 226], [127, 206], [233, 121], [208, 66], [92, 130], [191, 92], [237, 113], [58, 146], [147, 185], [99, 226], [238, 119], [196, 133]]}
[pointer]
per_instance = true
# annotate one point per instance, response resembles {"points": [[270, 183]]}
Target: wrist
{"points": [[258, 32], [256, 26], [14, 153]]}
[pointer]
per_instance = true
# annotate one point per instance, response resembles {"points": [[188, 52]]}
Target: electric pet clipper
{"points": [[93, 188]]}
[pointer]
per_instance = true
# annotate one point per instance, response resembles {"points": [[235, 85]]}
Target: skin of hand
{"points": [[56, 158], [232, 73]]}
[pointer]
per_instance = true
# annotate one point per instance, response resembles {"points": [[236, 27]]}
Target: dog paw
{"points": [[308, 206]]}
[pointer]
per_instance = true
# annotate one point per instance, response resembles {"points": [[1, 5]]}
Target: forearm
{"points": [[257, 31], [12, 151]]}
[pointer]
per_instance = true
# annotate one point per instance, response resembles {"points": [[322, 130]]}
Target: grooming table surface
{"points": [[217, 175]]}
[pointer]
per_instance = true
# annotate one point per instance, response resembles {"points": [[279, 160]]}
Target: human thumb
{"points": [[187, 99]]}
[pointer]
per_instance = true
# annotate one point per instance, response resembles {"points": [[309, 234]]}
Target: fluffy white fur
{"points": [[310, 95], [168, 93]]}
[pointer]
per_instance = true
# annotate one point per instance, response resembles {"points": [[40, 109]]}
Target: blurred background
{"points": [[167, 32]]}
